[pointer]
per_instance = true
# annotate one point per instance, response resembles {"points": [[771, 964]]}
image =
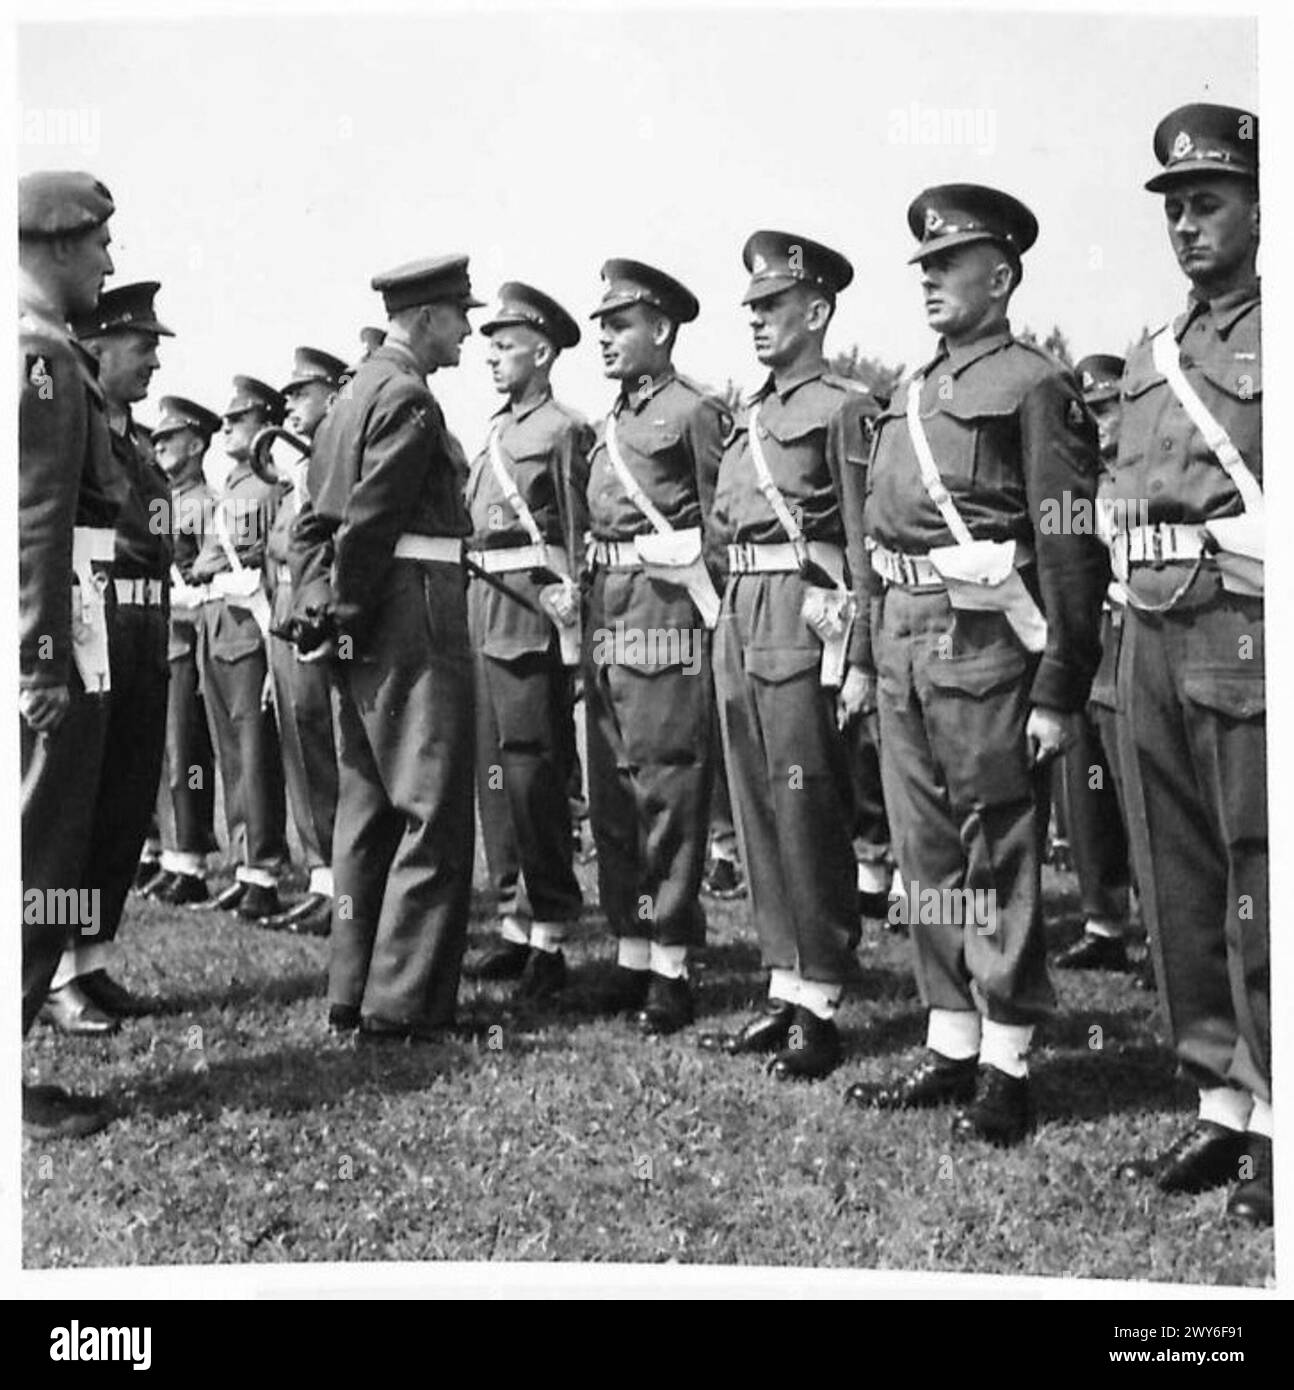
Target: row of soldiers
{"points": [[933, 566]]}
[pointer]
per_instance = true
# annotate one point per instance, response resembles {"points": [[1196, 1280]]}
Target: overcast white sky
{"points": [[265, 168]]}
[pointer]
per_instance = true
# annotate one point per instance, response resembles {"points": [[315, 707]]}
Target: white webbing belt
{"points": [[444, 550], [781, 557], [510, 559]]}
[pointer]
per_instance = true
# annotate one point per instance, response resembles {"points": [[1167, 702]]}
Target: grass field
{"points": [[249, 1133]]}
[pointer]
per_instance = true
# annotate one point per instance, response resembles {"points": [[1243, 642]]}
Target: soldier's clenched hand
{"points": [[1049, 733], [43, 709]]}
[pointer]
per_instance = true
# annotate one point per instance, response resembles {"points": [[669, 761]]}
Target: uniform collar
{"points": [[812, 371], [965, 354], [525, 411], [635, 400], [1227, 309], [401, 355], [35, 303]]}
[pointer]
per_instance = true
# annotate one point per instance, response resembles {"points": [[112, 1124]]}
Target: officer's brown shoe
{"points": [[1252, 1200], [939, 1080], [1001, 1113], [1093, 952], [229, 898], [182, 890], [48, 1112], [505, 960], [70, 1010], [343, 1018], [624, 992], [668, 1007], [102, 990], [544, 976], [812, 1048], [259, 903], [1204, 1156], [311, 916], [765, 1032]]}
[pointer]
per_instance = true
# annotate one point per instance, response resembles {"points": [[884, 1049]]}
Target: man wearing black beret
{"points": [[65, 549]]}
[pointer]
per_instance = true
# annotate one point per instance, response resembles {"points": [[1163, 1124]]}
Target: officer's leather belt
{"points": [[780, 557], [509, 559], [910, 571], [141, 593], [443, 550], [616, 555]]}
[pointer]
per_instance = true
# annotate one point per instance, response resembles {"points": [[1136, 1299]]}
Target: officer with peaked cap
{"points": [[1191, 679], [983, 638], [1089, 768], [66, 516], [186, 798], [234, 661], [122, 334], [647, 682], [302, 699], [377, 560], [526, 496], [785, 614]]}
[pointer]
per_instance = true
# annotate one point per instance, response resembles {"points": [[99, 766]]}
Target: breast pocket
{"points": [[975, 438]]}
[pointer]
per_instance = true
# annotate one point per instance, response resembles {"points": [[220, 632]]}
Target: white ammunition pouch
{"points": [[91, 545], [980, 575]]}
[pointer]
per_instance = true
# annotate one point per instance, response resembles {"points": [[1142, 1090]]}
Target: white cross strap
{"points": [[934, 484], [1166, 354], [630, 484], [506, 481]]}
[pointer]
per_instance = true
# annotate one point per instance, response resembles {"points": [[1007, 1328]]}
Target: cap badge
{"points": [[1183, 145], [1089, 381], [933, 220], [760, 264]]}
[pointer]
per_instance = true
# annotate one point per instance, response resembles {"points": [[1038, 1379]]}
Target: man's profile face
{"points": [[175, 448], [307, 404], [957, 285], [1108, 415], [86, 266], [627, 338], [239, 431], [127, 361], [781, 324], [1212, 225], [513, 357], [445, 326]]}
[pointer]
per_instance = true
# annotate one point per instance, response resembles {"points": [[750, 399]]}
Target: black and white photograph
{"points": [[641, 656]]}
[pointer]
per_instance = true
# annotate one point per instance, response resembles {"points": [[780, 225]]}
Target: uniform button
{"points": [[1157, 485], [1166, 445]]}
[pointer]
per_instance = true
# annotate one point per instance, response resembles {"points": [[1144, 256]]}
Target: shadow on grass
{"points": [[289, 989], [297, 1079]]}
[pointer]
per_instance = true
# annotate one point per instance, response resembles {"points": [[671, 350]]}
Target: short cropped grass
{"points": [[247, 1132]]}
